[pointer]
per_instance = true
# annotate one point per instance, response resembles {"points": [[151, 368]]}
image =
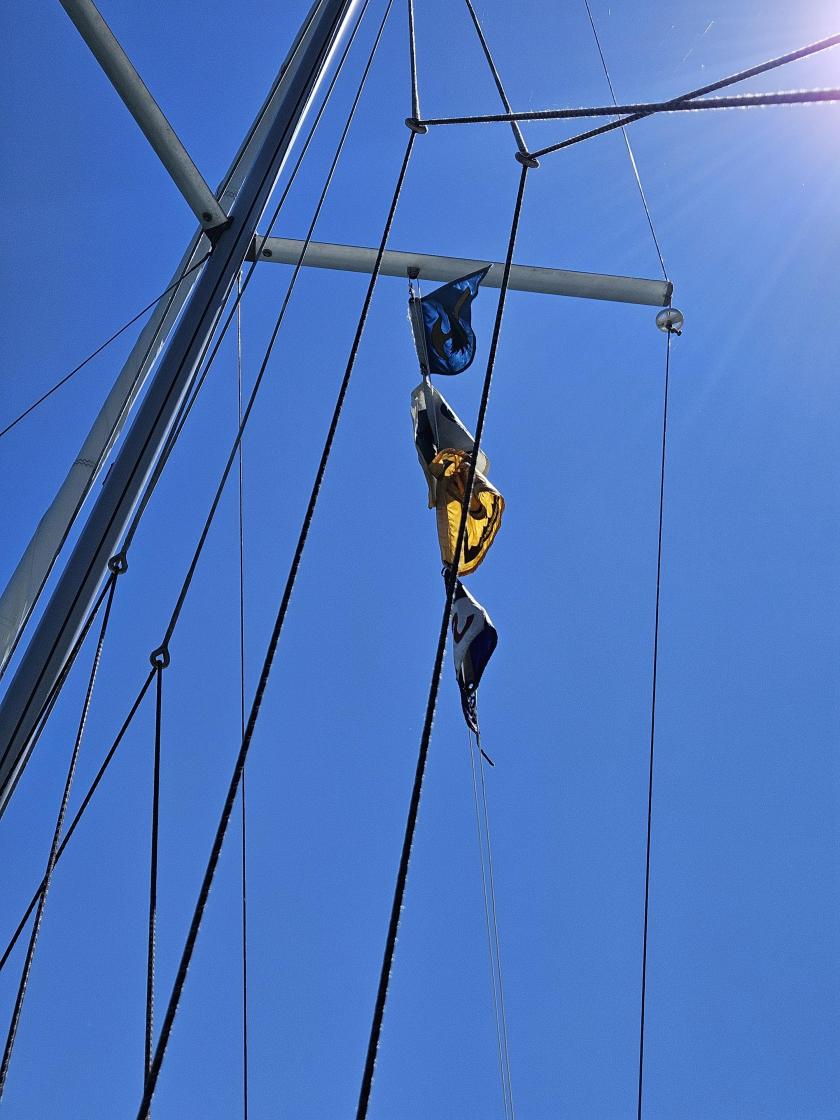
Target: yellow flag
{"points": [[450, 468]]}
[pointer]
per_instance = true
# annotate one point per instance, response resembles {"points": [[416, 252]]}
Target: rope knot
{"points": [[118, 564], [159, 657]]}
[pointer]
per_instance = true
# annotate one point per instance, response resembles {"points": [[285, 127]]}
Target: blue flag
{"points": [[449, 337]]}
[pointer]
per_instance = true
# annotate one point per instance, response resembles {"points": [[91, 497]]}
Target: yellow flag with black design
{"points": [[450, 468]]}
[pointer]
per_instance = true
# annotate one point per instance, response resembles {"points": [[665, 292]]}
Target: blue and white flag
{"points": [[443, 329], [474, 639]]}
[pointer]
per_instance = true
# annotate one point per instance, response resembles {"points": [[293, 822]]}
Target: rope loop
{"points": [[159, 658], [118, 563]]}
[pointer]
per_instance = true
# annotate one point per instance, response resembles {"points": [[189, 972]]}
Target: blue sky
{"points": [[744, 991]]}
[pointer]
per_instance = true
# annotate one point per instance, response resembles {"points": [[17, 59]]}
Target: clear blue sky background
{"points": [[744, 991]]}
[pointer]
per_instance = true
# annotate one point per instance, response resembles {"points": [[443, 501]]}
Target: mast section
{"points": [[46, 657]]}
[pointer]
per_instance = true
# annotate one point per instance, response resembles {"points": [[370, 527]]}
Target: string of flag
{"points": [[441, 324], [446, 344]]}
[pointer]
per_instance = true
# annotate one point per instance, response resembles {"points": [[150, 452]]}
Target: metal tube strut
{"points": [[523, 277], [46, 657], [146, 111], [27, 581]]}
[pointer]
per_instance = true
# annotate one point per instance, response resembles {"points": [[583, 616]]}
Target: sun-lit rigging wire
{"points": [[565, 143], [634, 166], [205, 363], [253, 215], [412, 57], [491, 927], [56, 840], [121, 554], [683, 104], [653, 717], [156, 337], [120, 560], [106, 446], [103, 346], [451, 583], [740, 76], [176, 612], [517, 132], [268, 661]]}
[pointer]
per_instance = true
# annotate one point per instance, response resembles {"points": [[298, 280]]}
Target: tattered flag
{"points": [[441, 322], [451, 470], [445, 449], [436, 428], [474, 639]]}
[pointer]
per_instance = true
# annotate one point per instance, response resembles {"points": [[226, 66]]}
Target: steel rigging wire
{"points": [[242, 286], [626, 138], [268, 662], [176, 612], [250, 218], [177, 430], [655, 656], [614, 124], [684, 103], [451, 583], [792, 56], [494, 72], [156, 338], [159, 663], [488, 891], [86, 800], [271, 650], [655, 664], [121, 555], [56, 840], [243, 803], [103, 346]]}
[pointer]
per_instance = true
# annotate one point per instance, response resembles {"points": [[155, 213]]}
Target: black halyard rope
{"points": [[517, 132], [56, 840], [107, 445], [627, 144], [270, 347], [251, 215], [412, 55], [451, 582], [50, 700], [153, 872], [95, 784], [653, 721], [244, 814], [268, 661], [92, 788], [208, 358], [95, 353]]}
